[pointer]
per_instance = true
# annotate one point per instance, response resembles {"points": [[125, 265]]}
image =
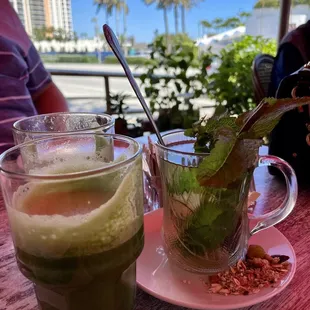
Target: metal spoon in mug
{"points": [[114, 44]]}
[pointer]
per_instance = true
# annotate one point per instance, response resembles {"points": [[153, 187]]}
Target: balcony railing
{"points": [[106, 76]]}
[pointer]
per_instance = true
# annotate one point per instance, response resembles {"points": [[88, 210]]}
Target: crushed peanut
{"points": [[250, 276]]}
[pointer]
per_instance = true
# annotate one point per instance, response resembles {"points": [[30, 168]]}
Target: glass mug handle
{"points": [[287, 206]]}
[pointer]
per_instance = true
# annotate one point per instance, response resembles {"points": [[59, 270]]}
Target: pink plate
{"points": [[162, 280]]}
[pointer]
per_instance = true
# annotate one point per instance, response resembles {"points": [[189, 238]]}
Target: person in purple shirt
{"points": [[26, 88]]}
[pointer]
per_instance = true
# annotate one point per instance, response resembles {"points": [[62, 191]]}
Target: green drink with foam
{"points": [[78, 237]]}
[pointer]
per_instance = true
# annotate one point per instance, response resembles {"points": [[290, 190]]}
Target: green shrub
{"points": [[78, 59], [231, 85], [69, 58], [49, 58], [142, 61], [172, 95], [276, 3]]}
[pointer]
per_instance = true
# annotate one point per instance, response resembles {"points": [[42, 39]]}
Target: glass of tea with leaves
{"points": [[75, 207], [206, 173]]}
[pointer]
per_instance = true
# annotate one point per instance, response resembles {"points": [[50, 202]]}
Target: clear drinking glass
{"points": [[151, 178], [76, 216], [43, 125], [205, 229]]}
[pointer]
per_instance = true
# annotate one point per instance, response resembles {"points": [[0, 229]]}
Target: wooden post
{"points": [[285, 9]]}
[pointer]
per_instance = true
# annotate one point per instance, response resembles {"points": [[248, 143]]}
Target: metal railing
{"points": [[104, 74]]}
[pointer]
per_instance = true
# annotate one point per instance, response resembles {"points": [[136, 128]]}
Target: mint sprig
{"points": [[262, 120], [213, 221], [235, 142], [232, 144], [207, 131], [240, 157]]}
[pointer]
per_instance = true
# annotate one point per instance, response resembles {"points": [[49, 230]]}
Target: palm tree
{"points": [[119, 6], [94, 20], [176, 18], [176, 4], [231, 22], [206, 25], [267, 4], [243, 16], [107, 6], [84, 35], [162, 5], [183, 6], [276, 3], [125, 13], [39, 34], [217, 23], [186, 5]]}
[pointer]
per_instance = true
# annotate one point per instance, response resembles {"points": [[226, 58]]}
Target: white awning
{"points": [[224, 36]]}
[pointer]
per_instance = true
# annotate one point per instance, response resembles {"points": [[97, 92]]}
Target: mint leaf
{"points": [[189, 132], [270, 100], [206, 131], [214, 162], [212, 125], [180, 179], [208, 237], [220, 110], [228, 161], [262, 120], [187, 181], [214, 220], [227, 122], [232, 155]]}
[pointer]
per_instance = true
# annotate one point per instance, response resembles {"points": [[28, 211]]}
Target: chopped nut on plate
{"points": [[259, 270], [256, 251]]}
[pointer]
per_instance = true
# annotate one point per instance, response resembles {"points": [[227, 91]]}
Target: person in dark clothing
{"points": [[288, 140], [293, 53]]}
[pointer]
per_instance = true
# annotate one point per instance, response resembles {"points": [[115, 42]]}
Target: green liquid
{"points": [[103, 281], [78, 240]]}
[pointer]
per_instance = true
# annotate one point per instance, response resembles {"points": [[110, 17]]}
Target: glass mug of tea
{"points": [[206, 229], [76, 218]]}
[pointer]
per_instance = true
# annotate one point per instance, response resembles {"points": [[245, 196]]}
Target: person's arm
{"points": [[287, 61], [15, 99], [46, 96], [50, 100]]}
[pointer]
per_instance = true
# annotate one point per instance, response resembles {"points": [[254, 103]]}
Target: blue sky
{"points": [[142, 20]]}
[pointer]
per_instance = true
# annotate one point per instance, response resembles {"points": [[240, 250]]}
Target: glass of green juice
{"points": [[76, 217]]}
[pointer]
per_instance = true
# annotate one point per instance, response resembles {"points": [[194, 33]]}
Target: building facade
{"points": [[44, 13], [37, 13], [61, 15], [264, 21], [18, 5]]}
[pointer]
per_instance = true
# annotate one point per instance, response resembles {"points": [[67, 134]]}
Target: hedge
{"points": [[130, 60], [67, 58], [76, 58]]}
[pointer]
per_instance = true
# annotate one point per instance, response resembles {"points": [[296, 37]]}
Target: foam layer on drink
{"points": [[100, 229]]}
